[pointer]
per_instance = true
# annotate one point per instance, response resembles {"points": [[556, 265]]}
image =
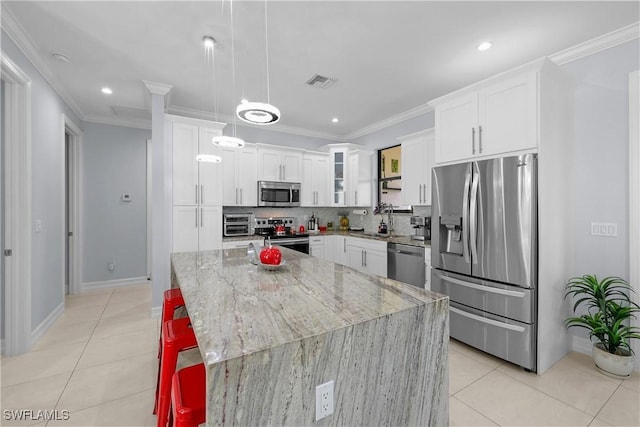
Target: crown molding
{"points": [[119, 121], [595, 45], [157, 88], [16, 33], [398, 118]]}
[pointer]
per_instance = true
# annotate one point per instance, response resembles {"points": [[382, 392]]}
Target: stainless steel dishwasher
{"points": [[405, 263]]}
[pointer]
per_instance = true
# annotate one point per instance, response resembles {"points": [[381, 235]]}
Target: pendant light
{"points": [[260, 113], [226, 141], [209, 44]]}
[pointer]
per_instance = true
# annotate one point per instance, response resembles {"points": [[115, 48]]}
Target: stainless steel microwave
{"points": [[278, 194]]}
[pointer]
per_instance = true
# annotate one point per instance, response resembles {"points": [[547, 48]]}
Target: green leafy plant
{"points": [[608, 311]]}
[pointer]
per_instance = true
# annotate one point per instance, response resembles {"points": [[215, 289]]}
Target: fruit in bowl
{"points": [[270, 255]]}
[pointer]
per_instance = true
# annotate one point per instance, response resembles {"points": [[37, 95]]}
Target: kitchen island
{"points": [[268, 338]]}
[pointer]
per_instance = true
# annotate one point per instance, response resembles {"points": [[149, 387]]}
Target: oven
{"points": [[297, 243], [237, 224]]}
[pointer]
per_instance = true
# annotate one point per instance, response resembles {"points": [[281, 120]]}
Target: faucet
{"points": [[390, 217]]}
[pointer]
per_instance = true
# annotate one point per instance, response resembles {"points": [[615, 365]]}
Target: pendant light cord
{"points": [[266, 48], [233, 64]]}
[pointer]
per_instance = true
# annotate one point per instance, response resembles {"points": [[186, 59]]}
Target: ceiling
{"points": [[386, 57]]}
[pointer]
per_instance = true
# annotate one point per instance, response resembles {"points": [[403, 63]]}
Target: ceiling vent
{"points": [[321, 82]]}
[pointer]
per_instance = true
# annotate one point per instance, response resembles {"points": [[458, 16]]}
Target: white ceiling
{"points": [[386, 57]]}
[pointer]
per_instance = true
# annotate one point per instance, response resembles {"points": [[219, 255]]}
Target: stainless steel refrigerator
{"points": [[484, 253]]}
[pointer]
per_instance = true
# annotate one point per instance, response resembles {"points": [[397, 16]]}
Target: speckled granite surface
{"points": [[393, 238], [269, 337]]}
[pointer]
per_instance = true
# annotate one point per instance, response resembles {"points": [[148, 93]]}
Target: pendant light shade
{"points": [[258, 113], [208, 158], [227, 141]]}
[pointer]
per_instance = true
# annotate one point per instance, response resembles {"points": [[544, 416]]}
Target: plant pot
{"points": [[618, 366]]}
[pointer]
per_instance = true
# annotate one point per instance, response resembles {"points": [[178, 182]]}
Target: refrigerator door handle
{"points": [[473, 226], [483, 288], [487, 321], [465, 215]]}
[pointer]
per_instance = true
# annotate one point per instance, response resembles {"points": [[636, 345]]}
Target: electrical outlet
{"points": [[604, 229], [324, 400]]}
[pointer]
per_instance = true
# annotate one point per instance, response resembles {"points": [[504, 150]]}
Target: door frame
{"points": [[634, 193], [17, 165], [149, 210], [74, 205]]}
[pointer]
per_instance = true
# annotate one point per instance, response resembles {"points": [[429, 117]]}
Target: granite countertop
{"points": [[238, 308], [406, 240]]}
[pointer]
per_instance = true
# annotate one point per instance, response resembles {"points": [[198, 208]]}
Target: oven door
{"points": [[300, 244]]}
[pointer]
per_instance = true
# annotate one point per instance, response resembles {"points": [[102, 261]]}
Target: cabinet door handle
{"points": [[420, 193], [362, 258], [480, 139], [201, 217], [356, 193], [365, 258], [196, 190], [284, 172], [202, 194], [473, 140], [196, 211], [424, 189], [345, 245], [241, 195]]}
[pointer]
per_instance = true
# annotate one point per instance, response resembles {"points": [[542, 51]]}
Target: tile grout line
{"points": [[605, 403], [82, 353], [474, 410]]}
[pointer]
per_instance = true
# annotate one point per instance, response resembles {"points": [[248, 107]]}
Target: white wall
{"points": [[114, 163], [47, 148], [2, 208], [601, 172]]}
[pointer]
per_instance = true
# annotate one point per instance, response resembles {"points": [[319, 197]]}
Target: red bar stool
{"points": [[188, 391], [172, 300], [177, 336]]}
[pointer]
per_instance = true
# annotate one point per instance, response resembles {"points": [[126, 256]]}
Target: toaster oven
{"points": [[237, 224]]}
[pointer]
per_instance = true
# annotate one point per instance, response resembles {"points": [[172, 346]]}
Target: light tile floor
{"points": [[99, 362]]}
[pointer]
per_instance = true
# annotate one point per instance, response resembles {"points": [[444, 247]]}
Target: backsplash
{"points": [[401, 225]]}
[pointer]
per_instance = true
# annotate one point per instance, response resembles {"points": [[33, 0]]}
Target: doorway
{"points": [[71, 182]]}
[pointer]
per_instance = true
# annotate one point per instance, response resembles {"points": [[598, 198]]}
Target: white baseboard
{"points": [[113, 283], [46, 323], [156, 312], [581, 345]]}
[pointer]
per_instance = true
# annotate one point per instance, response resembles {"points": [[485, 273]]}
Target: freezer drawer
{"points": [[503, 300], [504, 338]]}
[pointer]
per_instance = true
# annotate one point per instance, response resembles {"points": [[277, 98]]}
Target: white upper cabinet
{"points": [[497, 118], [351, 178], [240, 170], [360, 178], [417, 161], [315, 179], [279, 164], [194, 182]]}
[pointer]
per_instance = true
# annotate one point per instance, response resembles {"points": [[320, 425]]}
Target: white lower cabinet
{"points": [[368, 256], [238, 244], [197, 228], [336, 249], [317, 246]]}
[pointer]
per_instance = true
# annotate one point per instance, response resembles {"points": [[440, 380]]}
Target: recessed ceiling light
{"points": [[106, 91], [209, 42], [335, 120], [484, 46], [244, 101]]}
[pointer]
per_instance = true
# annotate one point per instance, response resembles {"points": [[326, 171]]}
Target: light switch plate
{"points": [[607, 229]]}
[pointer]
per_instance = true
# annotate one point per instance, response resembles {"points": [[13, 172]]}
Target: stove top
{"points": [[288, 236]]}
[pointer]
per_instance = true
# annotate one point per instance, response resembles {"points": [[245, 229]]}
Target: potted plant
{"points": [[607, 309]]}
